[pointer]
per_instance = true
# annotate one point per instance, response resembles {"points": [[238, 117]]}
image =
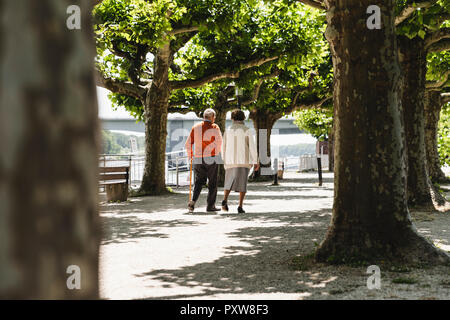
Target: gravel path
{"points": [[153, 249]]}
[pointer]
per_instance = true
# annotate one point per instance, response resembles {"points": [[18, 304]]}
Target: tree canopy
{"points": [[316, 122], [290, 37]]}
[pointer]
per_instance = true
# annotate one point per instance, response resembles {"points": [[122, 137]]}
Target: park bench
{"points": [[115, 181]]}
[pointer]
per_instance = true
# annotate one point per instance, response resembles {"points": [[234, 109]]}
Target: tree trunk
{"points": [[221, 120], [156, 112], [331, 150], [263, 122], [433, 105], [49, 160], [413, 59], [413, 63], [370, 221]]}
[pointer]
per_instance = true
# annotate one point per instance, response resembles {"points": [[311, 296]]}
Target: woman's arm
{"points": [[224, 145], [252, 148]]}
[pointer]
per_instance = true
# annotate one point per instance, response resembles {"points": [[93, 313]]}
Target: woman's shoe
{"points": [[224, 206], [240, 210]]}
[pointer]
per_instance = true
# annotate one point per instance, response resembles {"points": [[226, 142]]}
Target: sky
{"points": [[105, 109], [106, 112]]}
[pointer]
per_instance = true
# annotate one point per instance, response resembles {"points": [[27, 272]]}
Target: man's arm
{"points": [[219, 141], [189, 143]]}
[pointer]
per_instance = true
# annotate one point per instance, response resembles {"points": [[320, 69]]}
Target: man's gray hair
{"points": [[209, 114]]}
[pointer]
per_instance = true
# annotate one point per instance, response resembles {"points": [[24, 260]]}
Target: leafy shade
{"points": [[424, 20], [302, 74], [438, 64], [316, 122], [444, 136], [132, 105]]}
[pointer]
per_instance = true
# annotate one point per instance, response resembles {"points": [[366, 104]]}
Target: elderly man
{"points": [[207, 140]]}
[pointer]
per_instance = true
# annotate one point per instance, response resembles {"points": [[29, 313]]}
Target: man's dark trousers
{"points": [[206, 168]]}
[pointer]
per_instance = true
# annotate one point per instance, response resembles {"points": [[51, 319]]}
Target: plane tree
{"points": [[137, 45], [444, 131], [436, 97], [424, 32], [422, 28], [371, 220], [292, 32], [316, 122], [283, 95]]}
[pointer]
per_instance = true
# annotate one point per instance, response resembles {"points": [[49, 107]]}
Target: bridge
{"points": [[179, 126]]}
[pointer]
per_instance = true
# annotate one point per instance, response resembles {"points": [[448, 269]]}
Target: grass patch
{"points": [[337, 291], [404, 280], [422, 216], [302, 263], [445, 283], [400, 269]]}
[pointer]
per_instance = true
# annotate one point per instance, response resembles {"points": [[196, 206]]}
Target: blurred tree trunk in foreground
{"points": [[48, 164]]}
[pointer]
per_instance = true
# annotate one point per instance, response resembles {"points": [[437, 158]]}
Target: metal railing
{"points": [[177, 165], [303, 163]]}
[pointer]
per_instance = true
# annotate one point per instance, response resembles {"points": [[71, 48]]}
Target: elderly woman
{"points": [[239, 156]]}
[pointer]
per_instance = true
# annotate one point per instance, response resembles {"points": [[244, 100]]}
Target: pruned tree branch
{"points": [[181, 40], [434, 85], [120, 53], [443, 33], [96, 2], [257, 89], [445, 97], [314, 3], [439, 46], [442, 18], [187, 29], [174, 109], [136, 60], [183, 84], [127, 88], [314, 104], [409, 10]]}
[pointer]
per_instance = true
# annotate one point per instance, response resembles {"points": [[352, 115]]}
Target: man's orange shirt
{"points": [[207, 138]]}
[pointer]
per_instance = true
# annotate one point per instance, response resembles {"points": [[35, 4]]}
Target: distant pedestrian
{"points": [[239, 155], [207, 141]]}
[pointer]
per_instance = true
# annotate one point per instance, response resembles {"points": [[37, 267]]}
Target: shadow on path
{"points": [[122, 229], [262, 264]]}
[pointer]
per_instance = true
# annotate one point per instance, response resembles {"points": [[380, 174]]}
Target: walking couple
{"points": [[237, 149]]}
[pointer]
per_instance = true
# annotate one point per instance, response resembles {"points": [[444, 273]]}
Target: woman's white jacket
{"points": [[239, 147]]}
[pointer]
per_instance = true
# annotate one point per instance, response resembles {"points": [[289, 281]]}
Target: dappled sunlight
{"points": [[317, 282], [153, 249], [152, 246], [442, 244], [436, 231]]}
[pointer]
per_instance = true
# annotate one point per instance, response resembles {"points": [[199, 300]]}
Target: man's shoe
{"points": [[240, 210], [212, 209], [224, 206], [191, 205]]}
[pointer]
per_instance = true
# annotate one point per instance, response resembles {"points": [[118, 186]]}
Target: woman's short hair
{"points": [[238, 115]]}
